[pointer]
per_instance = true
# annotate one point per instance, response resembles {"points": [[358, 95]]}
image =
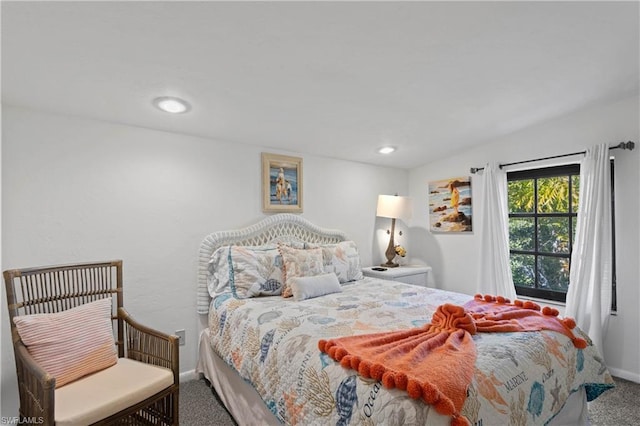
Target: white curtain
{"points": [[589, 294], [494, 275]]}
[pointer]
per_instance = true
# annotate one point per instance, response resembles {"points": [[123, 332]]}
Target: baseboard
{"points": [[187, 376], [623, 374]]}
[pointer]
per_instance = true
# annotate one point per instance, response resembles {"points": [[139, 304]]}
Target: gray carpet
{"points": [[619, 406], [200, 406]]}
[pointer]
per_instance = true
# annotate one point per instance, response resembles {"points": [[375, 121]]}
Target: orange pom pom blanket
{"points": [[420, 360]]}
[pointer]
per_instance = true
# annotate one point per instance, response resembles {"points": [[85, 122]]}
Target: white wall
{"points": [[455, 257], [81, 190]]}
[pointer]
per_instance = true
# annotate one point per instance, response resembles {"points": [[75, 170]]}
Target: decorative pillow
{"points": [[299, 263], [219, 275], [319, 285], [342, 259], [255, 271], [218, 278], [72, 343]]}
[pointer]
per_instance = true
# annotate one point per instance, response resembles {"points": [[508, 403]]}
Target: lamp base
{"points": [[390, 254]]}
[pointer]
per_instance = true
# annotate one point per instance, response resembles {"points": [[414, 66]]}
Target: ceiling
{"points": [[332, 79]]}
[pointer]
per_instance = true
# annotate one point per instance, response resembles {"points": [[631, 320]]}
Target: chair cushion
{"points": [[72, 343], [109, 391]]}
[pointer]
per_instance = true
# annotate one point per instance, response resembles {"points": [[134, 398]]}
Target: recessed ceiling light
{"points": [[386, 150], [171, 104]]}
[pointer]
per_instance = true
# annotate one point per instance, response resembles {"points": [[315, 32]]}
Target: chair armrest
{"points": [[36, 387], [150, 346]]}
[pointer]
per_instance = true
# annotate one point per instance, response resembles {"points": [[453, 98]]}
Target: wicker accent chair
{"points": [[54, 289]]}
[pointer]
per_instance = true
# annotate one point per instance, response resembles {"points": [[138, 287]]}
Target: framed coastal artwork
{"points": [[450, 205], [281, 183]]}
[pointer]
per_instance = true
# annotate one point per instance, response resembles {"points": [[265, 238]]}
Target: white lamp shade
{"points": [[394, 207]]}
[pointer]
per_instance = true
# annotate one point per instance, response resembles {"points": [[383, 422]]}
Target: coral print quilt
{"points": [[521, 378]]}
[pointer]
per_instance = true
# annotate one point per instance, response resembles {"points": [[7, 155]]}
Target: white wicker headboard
{"points": [[284, 227]]}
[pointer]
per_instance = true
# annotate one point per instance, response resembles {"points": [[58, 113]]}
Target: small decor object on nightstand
{"points": [[401, 251], [393, 206]]}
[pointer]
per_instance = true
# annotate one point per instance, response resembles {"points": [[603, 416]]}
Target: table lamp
{"points": [[394, 207]]}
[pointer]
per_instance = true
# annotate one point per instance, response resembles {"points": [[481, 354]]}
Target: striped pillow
{"points": [[72, 343]]}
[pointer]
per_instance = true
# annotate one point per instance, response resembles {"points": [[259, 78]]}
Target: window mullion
{"points": [[536, 284], [570, 217]]}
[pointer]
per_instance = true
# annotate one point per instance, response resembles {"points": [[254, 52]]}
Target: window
{"points": [[543, 212]]}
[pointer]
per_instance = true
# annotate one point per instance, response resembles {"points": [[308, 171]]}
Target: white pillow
{"points": [[72, 343], [318, 285]]}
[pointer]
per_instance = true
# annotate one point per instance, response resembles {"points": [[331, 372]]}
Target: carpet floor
{"points": [[620, 406]]}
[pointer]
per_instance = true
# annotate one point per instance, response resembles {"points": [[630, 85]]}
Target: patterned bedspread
{"points": [[520, 378]]}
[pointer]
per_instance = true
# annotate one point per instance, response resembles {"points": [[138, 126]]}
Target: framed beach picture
{"points": [[450, 205], [281, 183]]}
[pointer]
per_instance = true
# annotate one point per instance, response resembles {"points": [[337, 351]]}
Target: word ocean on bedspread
{"points": [[521, 378]]}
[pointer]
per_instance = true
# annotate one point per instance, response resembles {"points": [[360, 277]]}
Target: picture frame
{"points": [[450, 205], [281, 183]]}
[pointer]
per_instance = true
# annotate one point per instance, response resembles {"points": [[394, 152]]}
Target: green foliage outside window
{"points": [[542, 216]]}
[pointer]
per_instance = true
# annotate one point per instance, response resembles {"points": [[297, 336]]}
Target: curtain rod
{"points": [[622, 145]]}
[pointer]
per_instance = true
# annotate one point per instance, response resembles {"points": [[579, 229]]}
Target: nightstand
{"points": [[411, 274]]}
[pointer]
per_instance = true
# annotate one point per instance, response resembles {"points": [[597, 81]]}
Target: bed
{"points": [[260, 351]]}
